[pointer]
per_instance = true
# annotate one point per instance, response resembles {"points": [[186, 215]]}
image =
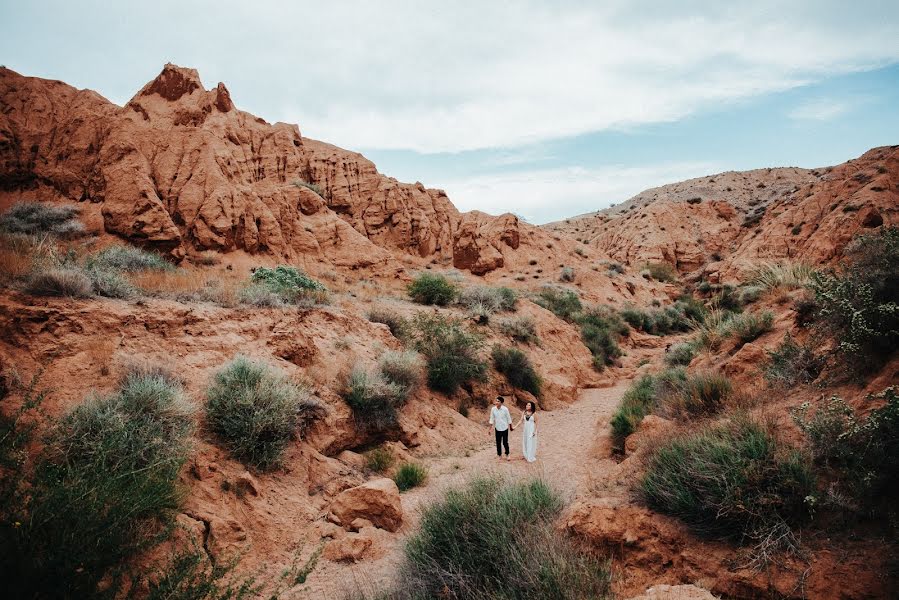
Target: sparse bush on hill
{"points": [[560, 301], [681, 316], [398, 324], [748, 327], [714, 330], [404, 368], [566, 275], [859, 305], [601, 328], [292, 285], [38, 218], [733, 480], [255, 410], [680, 354], [451, 351], [189, 576], [409, 475], [791, 363], [311, 186], [432, 289], [661, 271], [373, 398], [60, 281], [520, 329], [104, 486], [128, 259], [483, 300], [636, 403], [782, 275], [453, 554], [379, 459], [517, 368]]}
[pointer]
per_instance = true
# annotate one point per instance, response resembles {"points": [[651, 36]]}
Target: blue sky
{"points": [[543, 109]]}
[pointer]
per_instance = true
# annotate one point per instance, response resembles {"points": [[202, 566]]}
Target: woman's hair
{"points": [[533, 406]]}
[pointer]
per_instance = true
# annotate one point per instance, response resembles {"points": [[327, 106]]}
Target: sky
{"points": [[544, 109]]}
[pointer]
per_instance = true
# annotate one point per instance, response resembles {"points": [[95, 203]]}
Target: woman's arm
{"points": [[535, 425]]}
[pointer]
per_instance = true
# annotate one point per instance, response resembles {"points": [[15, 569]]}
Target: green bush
{"points": [[748, 327], [261, 296], [255, 410], [379, 459], [636, 403], [452, 352], [432, 289], [454, 553], [734, 480], [563, 303], [859, 305], [104, 486], [403, 368], [485, 300], [864, 451], [110, 284], [311, 186], [566, 275], [517, 368], [398, 324], [189, 576], [520, 329], [696, 395], [37, 218], [410, 475], [783, 275], [373, 398], [60, 281], [680, 354], [791, 363], [714, 330], [601, 328], [291, 284], [727, 299], [128, 259], [661, 271]]}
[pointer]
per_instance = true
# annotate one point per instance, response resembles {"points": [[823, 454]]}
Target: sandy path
{"points": [[567, 457]]}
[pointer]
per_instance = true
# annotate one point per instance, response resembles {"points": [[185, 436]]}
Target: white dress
{"points": [[528, 440]]}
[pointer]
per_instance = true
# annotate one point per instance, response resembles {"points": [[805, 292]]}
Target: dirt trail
{"points": [[567, 457]]}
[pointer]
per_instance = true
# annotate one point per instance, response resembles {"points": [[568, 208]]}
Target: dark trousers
{"points": [[502, 441]]}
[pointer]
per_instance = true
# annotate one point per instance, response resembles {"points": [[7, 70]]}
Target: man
{"points": [[501, 420]]}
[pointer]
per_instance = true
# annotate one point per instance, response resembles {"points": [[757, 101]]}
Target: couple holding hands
{"points": [[501, 420]]}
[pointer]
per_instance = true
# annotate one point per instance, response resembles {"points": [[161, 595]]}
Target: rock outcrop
{"points": [[377, 501]]}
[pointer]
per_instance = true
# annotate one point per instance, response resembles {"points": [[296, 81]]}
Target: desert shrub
{"points": [[601, 328], [188, 575], [863, 451], [680, 354], [734, 480], [255, 410], [373, 398], [453, 554], [792, 363], [379, 459], [410, 475], [691, 308], [311, 186], [749, 326], [781, 275], [682, 316], [404, 368], [397, 323], [104, 486], [432, 289], [560, 301], [127, 259], [260, 295], [60, 281], [859, 305], [636, 403], [714, 330], [520, 329], [110, 283], [566, 275], [615, 268], [517, 368], [485, 300], [749, 294], [452, 352], [292, 285], [727, 299], [661, 271], [37, 218], [694, 395]]}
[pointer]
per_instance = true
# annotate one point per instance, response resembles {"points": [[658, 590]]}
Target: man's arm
{"points": [[490, 422]]}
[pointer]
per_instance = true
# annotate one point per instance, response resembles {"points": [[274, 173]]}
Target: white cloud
{"points": [[550, 194], [821, 109]]}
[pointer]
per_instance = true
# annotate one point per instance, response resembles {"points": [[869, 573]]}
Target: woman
{"points": [[529, 432]]}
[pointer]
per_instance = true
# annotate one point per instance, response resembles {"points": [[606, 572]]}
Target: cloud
{"points": [[821, 109], [545, 195]]}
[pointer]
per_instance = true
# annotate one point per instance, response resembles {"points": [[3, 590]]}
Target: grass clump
{"points": [[454, 553], [189, 576], [483, 300], [127, 259], [517, 368], [735, 480], [663, 321], [661, 271], [636, 403], [39, 218], [781, 275], [428, 288], [601, 328], [104, 487], [859, 304], [69, 281], [290, 284], [409, 475], [680, 355], [397, 323], [560, 301], [452, 352], [791, 363], [379, 460], [309, 186], [714, 330], [520, 329], [255, 410], [566, 275], [373, 398], [403, 368], [750, 326]]}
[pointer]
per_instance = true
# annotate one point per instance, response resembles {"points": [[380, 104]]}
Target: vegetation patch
{"points": [[781, 275], [397, 323], [660, 271], [127, 259], [451, 351], [520, 329], [517, 368], [289, 284], [255, 410], [680, 355], [483, 300], [562, 302], [39, 218], [379, 460], [601, 328], [750, 326], [410, 475], [432, 289], [791, 363]]}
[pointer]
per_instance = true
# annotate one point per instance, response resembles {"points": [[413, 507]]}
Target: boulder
{"points": [[349, 548], [675, 592], [378, 501]]}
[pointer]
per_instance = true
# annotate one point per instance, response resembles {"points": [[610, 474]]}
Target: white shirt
{"points": [[500, 418]]}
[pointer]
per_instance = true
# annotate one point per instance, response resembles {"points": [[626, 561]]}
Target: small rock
{"points": [[246, 484], [359, 523], [350, 548], [378, 501]]}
